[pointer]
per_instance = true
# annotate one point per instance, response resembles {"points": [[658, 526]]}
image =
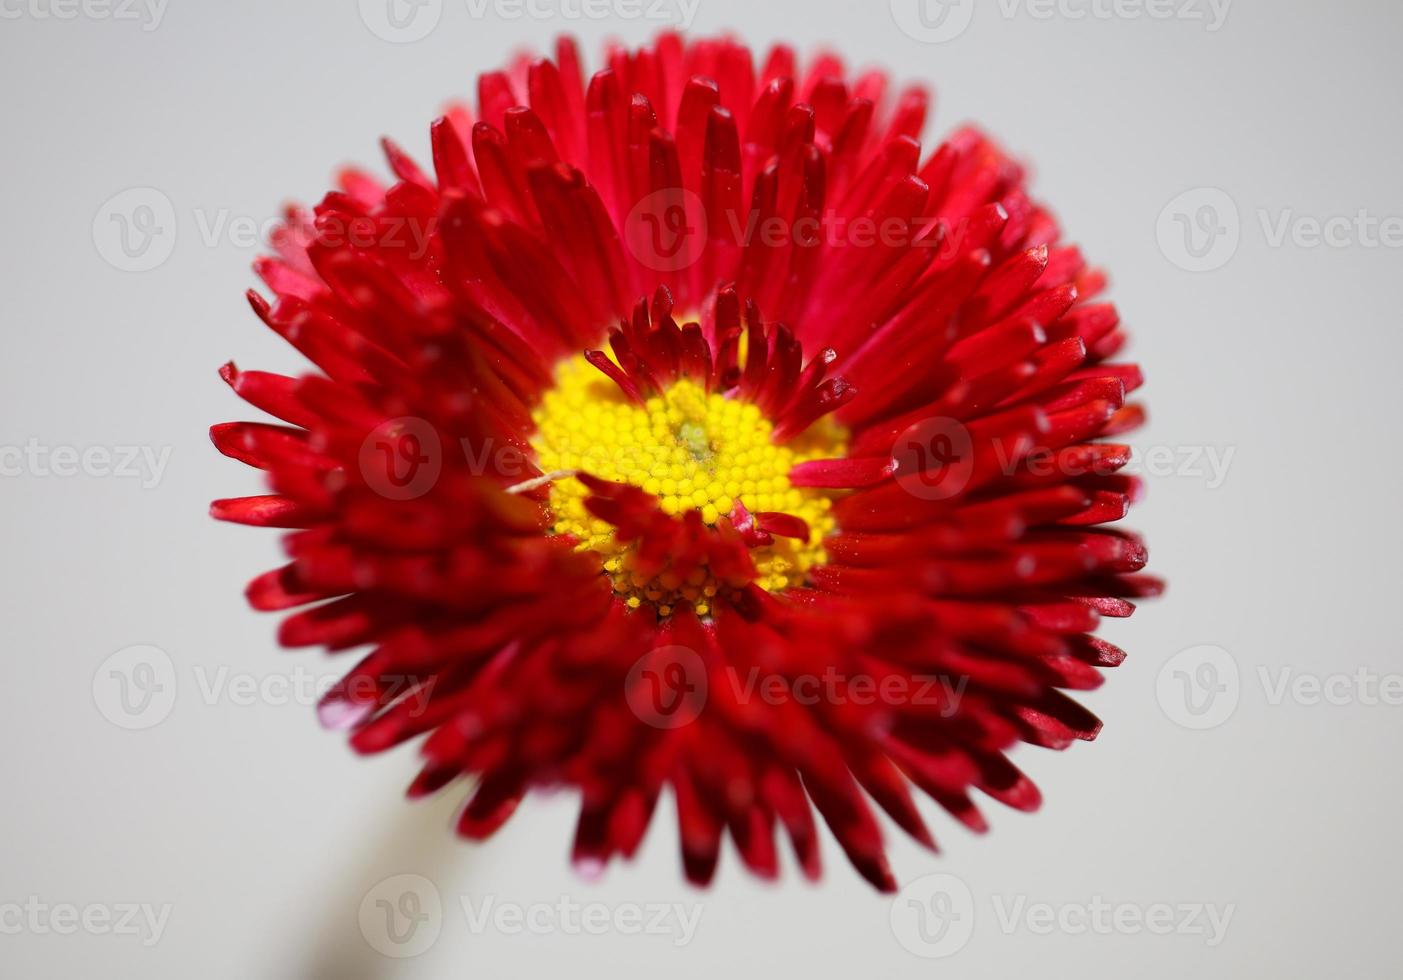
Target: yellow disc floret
{"points": [[693, 451]]}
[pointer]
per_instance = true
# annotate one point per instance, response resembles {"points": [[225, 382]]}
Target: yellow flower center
{"points": [[693, 451]]}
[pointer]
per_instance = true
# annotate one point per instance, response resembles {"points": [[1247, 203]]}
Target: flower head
{"points": [[689, 429]]}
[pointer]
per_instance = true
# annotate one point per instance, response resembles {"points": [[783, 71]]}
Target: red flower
{"points": [[818, 515]]}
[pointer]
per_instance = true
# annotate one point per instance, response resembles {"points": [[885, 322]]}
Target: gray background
{"points": [[263, 834]]}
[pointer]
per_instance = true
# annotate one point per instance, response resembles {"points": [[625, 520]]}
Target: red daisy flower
{"points": [[686, 428]]}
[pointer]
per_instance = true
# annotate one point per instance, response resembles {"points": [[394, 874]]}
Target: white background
{"points": [[262, 833]]}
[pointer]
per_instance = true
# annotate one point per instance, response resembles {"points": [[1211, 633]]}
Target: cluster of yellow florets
{"points": [[693, 451]]}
